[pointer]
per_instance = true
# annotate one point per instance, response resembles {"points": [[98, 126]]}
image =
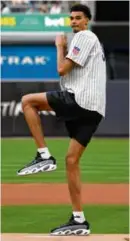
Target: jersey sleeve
{"points": [[80, 48]]}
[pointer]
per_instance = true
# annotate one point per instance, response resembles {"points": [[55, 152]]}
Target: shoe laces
{"points": [[37, 156], [35, 161], [70, 222]]}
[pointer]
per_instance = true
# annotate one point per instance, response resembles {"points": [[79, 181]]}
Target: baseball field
{"points": [[33, 205]]}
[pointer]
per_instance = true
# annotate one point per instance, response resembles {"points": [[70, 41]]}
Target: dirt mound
{"points": [[45, 237]]}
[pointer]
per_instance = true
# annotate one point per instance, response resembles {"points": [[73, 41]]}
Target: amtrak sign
{"points": [[28, 63], [26, 60]]}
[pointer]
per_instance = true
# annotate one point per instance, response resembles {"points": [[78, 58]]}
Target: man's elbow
{"points": [[61, 71]]}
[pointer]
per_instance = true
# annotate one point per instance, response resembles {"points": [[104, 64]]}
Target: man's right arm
{"points": [[64, 65]]}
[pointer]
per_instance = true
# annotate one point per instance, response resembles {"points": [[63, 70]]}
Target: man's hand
{"points": [[61, 40]]}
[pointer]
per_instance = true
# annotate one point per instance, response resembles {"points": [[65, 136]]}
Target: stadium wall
{"points": [[116, 122]]}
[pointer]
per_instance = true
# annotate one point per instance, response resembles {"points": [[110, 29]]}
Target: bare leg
{"points": [[31, 104], [73, 173]]}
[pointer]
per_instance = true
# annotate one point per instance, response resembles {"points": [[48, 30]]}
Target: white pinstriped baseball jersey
{"points": [[87, 80]]}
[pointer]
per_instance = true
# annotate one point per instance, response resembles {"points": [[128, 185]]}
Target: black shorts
{"points": [[80, 123]]}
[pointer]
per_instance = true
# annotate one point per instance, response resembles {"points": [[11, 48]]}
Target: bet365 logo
{"points": [[57, 22]]}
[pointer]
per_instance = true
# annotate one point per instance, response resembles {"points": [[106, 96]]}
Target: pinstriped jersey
{"points": [[87, 79]]}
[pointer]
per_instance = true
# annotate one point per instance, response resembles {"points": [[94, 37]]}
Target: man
{"points": [[81, 104], [4, 8]]}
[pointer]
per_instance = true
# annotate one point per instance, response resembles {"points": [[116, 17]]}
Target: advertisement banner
{"points": [[28, 62], [35, 22], [116, 122]]}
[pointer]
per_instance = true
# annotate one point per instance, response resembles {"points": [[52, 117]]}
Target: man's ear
{"points": [[87, 20]]}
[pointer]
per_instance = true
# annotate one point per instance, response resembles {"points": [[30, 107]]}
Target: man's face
{"points": [[78, 21]]}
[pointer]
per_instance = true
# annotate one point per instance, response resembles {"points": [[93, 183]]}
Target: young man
{"points": [[80, 103]]}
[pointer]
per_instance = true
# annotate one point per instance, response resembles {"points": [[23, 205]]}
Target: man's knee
{"points": [[71, 161], [26, 100], [37, 100]]}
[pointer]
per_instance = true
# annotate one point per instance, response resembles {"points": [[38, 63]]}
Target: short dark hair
{"points": [[82, 8]]}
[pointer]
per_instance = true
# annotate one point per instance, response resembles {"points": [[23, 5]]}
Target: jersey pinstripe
{"points": [[87, 80]]}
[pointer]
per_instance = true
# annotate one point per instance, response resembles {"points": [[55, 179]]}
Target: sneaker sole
{"points": [[68, 232], [45, 168]]}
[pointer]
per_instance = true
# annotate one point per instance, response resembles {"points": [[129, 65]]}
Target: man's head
{"points": [[80, 16]]}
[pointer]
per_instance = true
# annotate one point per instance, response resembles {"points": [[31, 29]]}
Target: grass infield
{"points": [[42, 218], [104, 161]]}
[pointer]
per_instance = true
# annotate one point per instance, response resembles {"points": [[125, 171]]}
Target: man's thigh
{"points": [[81, 130], [63, 103]]}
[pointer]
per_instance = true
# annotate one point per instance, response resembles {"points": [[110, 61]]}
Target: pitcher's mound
{"points": [[46, 237]]}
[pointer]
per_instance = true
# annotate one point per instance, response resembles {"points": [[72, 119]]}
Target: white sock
{"points": [[44, 152], [79, 217]]}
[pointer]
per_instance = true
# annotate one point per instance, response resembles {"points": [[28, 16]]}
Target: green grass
{"points": [[40, 219], [104, 161]]}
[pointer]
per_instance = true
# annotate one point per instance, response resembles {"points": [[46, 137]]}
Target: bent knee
{"points": [[26, 100], [37, 100]]}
